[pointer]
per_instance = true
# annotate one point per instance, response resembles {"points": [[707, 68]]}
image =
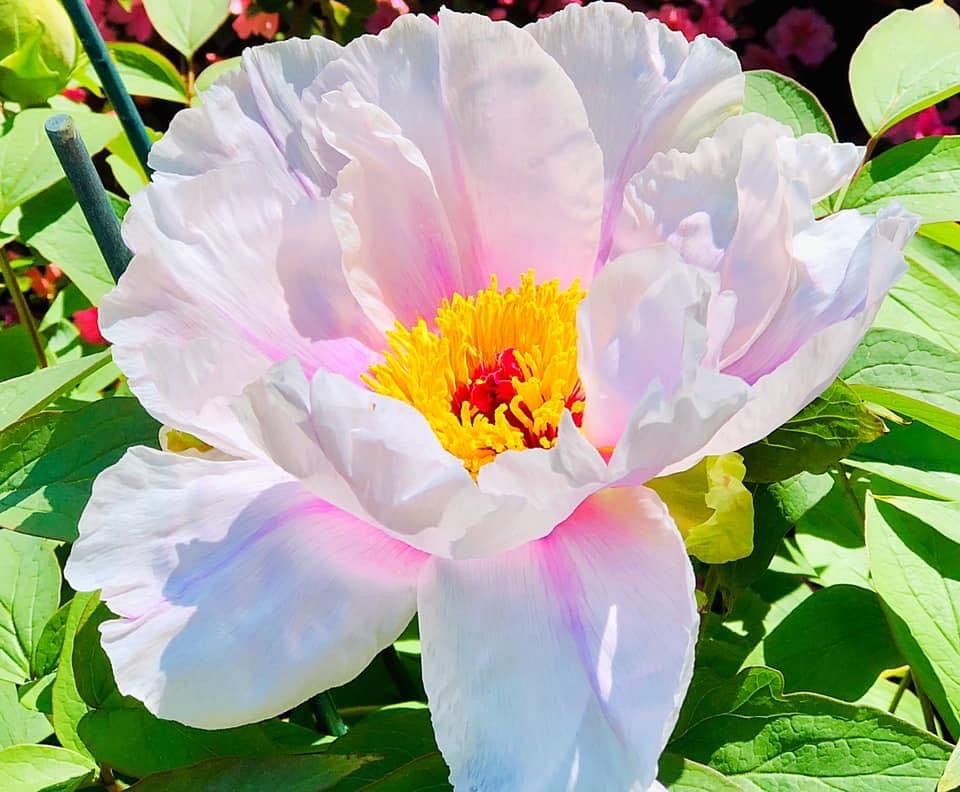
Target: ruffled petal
{"points": [[733, 205], [503, 132], [578, 647], [202, 309], [239, 593], [801, 376], [645, 88], [652, 390], [255, 116], [377, 458]]}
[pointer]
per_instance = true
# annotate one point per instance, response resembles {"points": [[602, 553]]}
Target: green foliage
{"points": [[922, 175], [682, 775], [144, 71], [749, 731], [187, 24], [48, 462], [909, 61], [824, 431], [38, 50], [43, 768], [785, 100], [910, 375]]}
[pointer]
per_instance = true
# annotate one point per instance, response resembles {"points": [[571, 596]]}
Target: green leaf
{"points": [[214, 72], [916, 572], [187, 24], [38, 49], [48, 462], [29, 594], [835, 643], [681, 775], [908, 61], [942, 516], [53, 224], [46, 654], [307, 773], [826, 430], [909, 375], [786, 101], [923, 176], [68, 705], [145, 72], [27, 162], [750, 732], [951, 776], [926, 300], [43, 768], [17, 723], [24, 395], [406, 753]]}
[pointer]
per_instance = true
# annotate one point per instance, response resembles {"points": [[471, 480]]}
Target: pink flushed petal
{"points": [[399, 255], [179, 547], [804, 34], [601, 613]]}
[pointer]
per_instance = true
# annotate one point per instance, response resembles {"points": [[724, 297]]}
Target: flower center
{"points": [[493, 373]]}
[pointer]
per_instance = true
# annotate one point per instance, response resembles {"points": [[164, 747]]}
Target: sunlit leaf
{"points": [[785, 100], [186, 24]]}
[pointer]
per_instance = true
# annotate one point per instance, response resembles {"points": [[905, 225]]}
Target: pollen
{"points": [[493, 372]]}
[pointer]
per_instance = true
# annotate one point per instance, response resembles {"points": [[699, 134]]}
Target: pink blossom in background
{"points": [[710, 21], [387, 11], [8, 315], [98, 10], [257, 24], [135, 22], [75, 94], [804, 34], [757, 57], [924, 124], [44, 284], [87, 323], [676, 18]]}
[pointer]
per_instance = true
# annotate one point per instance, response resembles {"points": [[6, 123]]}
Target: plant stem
{"points": [[408, 689], [23, 310], [191, 80], [868, 152], [326, 712], [928, 720], [901, 689]]}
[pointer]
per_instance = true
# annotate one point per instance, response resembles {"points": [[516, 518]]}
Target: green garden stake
{"points": [[91, 195], [113, 86]]}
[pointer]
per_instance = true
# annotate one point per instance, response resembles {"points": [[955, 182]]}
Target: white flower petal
{"points": [[644, 87], [202, 289], [240, 593], [562, 664], [255, 116]]}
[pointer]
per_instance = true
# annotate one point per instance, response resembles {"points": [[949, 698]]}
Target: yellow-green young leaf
{"points": [[711, 507], [908, 61], [214, 72], [186, 24], [43, 768], [38, 49], [951, 776]]}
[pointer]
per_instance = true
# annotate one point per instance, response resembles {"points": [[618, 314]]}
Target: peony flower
{"points": [[803, 33], [258, 24], [441, 302], [924, 124], [385, 13], [757, 57], [87, 322], [135, 22]]}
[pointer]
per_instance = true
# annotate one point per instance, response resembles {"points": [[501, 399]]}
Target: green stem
{"points": [[901, 689], [326, 712], [23, 310], [928, 720], [868, 152]]}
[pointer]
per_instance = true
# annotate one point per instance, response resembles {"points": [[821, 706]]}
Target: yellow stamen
{"points": [[435, 368]]}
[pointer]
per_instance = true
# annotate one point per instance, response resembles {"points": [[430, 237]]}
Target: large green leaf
{"points": [[748, 730], [24, 395], [17, 723], [909, 375], [926, 300], [922, 175], [406, 753], [68, 705], [186, 24], [29, 594], [916, 571], [306, 773], [53, 224], [48, 462], [835, 643], [27, 162], [824, 431], [43, 768], [908, 61], [786, 101], [681, 775]]}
